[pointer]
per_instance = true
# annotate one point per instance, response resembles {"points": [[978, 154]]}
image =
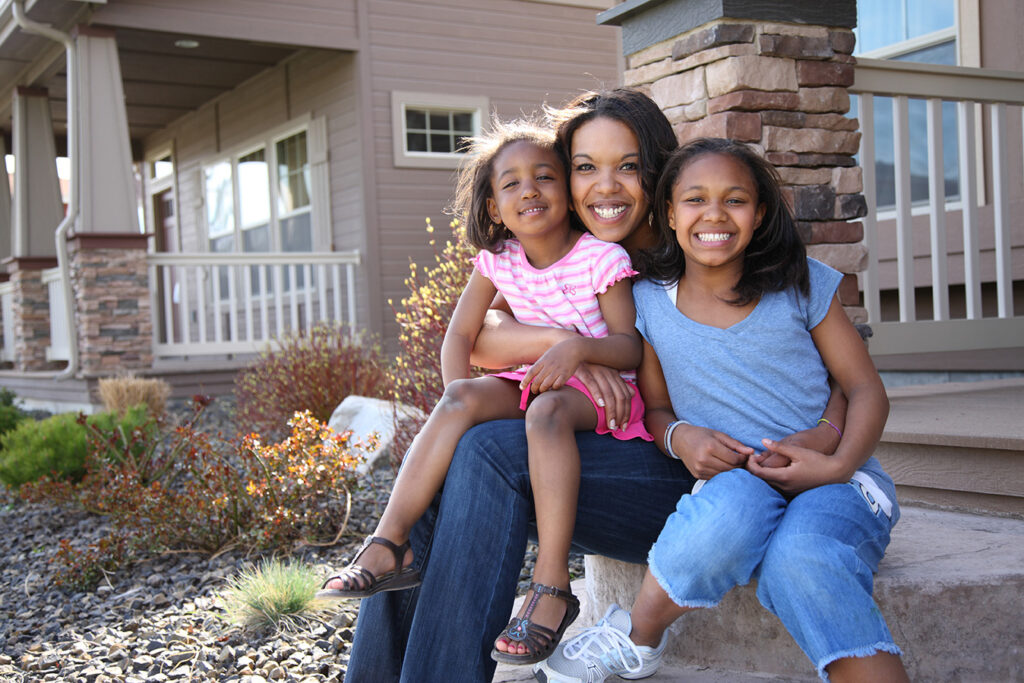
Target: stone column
{"points": [[774, 75], [111, 288], [30, 312]]}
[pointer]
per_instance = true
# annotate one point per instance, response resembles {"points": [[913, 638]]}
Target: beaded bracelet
{"points": [[832, 426], [668, 437]]}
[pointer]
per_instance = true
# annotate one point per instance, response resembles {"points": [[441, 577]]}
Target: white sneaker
{"points": [[601, 651]]}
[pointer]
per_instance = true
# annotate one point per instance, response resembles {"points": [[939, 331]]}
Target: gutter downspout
{"points": [[71, 58]]}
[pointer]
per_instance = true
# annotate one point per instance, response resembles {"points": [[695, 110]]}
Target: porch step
{"points": [[951, 588], [958, 446]]}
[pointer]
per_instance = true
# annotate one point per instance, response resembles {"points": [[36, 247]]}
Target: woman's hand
{"points": [[706, 452], [807, 468], [609, 390]]}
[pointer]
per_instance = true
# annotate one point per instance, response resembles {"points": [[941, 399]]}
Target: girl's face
{"points": [[714, 210], [605, 183], [528, 190]]}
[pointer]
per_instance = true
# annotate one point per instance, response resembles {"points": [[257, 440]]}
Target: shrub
{"points": [[118, 394], [314, 371], [273, 594], [10, 414], [57, 446], [198, 492], [422, 319]]}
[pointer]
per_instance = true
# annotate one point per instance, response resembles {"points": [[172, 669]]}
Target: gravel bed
{"points": [[162, 619]]}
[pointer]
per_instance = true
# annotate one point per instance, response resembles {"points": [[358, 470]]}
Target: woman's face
{"points": [[605, 183]]}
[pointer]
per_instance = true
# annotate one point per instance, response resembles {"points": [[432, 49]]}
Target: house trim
{"points": [[478, 105]]}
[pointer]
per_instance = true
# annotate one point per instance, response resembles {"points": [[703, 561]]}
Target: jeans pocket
{"points": [[873, 495]]}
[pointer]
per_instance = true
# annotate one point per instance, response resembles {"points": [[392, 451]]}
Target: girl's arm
{"points": [[705, 452], [464, 327], [846, 357], [620, 349]]}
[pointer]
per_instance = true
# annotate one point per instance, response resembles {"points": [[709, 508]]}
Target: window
{"points": [[913, 31], [430, 131]]}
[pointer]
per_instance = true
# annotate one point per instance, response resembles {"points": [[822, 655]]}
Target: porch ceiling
{"points": [[162, 81]]}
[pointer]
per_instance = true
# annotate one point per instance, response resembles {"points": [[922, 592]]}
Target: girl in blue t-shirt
{"points": [[741, 331]]}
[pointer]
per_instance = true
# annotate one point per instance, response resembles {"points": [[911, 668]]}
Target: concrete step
{"points": [[958, 446], [951, 588]]}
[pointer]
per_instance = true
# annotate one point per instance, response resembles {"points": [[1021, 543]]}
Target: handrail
{"points": [[889, 77], [253, 258]]}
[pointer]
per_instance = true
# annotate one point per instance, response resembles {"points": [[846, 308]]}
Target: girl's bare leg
{"points": [[551, 423], [881, 667], [465, 403], [653, 612]]}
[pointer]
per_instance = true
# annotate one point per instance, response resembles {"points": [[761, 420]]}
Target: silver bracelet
{"points": [[668, 437]]}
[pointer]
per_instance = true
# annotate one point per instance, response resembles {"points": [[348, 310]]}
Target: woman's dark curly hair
{"points": [[474, 184], [774, 260], [632, 108]]}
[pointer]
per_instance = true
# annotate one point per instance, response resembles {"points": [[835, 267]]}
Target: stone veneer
{"points": [[30, 313], [113, 317], [783, 88]]}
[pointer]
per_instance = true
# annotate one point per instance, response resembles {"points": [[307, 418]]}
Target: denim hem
{"points": [[867, 651], [665, 586]]}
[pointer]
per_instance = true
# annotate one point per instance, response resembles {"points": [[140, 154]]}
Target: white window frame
{"points": [[402, 100], [319, 185], [154, 186]]}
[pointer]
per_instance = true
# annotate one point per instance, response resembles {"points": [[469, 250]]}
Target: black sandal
{"points": [[395, 580], [539, 640]]}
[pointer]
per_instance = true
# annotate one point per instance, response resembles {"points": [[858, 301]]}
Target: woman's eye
{"points": [[630, 166], [583, 168]]}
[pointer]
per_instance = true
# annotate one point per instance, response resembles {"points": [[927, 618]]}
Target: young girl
{"points": [[741, 330], [514, 192]]}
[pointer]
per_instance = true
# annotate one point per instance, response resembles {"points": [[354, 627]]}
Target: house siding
{"points": [[518, 54], [310, 23]]}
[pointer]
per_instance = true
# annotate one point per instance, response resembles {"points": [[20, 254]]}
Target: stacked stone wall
{"points": [[30, 315], [783, 89], [113, 316]]}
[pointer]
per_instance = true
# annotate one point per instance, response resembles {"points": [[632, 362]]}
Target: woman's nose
{"points": [[607, 182]]}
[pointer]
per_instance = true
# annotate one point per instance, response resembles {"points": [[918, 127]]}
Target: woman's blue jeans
{"points": [[470, 548], [813, 557]]}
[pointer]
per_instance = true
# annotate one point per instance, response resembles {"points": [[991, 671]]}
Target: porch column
{"points": [[5, 204], [30, 312], [774, 75], [111, 289]]}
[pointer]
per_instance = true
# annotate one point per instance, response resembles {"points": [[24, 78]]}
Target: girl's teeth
{"points": [[712, 236], [608, 211]]}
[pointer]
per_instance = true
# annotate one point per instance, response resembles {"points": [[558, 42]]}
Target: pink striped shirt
{"points": [[565, 293]]}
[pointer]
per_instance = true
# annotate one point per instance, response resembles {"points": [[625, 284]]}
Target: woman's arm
{"points": [[464, 327], [705, 452], [620, 349], [846, 357]]}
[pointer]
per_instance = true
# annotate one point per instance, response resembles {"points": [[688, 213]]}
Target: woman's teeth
{"points": [[609, 211]]}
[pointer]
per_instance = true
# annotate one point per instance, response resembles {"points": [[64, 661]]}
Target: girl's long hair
{"points": [[774, 260], [474, 182]]}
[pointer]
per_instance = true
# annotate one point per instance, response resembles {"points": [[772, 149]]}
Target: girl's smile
{"points": [[605, 181], [714, 210]]}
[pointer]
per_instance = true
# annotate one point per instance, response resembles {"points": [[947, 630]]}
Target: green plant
{"points": [[273, 594], [10, 414], [313, 371], [422, 318], [118, 394], [57, 446]]}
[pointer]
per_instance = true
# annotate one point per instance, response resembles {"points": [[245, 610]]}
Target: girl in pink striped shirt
{"points": [[514, 193]]}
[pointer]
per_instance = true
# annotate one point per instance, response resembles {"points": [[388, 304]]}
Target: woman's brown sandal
{"points": [[540, 641], [395, 580]]}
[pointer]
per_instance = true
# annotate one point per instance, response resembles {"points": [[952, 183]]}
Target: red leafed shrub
{"points": [[194, 491], [313, 371], [423, 317]]}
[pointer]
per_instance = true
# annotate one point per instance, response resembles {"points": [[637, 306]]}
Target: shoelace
{"points": [[607, 640]]}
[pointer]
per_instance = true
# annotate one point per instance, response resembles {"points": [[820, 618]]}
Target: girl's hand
{"points": [[706, 452], [822, 438], [609, 390], [807, 468], [553, 369]]}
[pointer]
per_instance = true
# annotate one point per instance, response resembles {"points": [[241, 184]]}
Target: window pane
{"points": [[223, 245], [879, 23], [439, 121], [256, 239], [220, 210], [440, 143], [928, 16], [296, 233], [253, 189], [462, 122], [416, 142], [161, 168], [415, 118], [292, 174], [943, 53]]}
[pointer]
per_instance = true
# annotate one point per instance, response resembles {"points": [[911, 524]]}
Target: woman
{"points": [[470, 544]]}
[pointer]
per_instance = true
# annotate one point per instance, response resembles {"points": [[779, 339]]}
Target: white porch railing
{"points": [[60, 340], [944, 244], [206, 304], [7, 319]]}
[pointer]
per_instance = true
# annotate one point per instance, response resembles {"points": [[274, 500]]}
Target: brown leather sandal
{"points": [[539, 640], [395, 580]]}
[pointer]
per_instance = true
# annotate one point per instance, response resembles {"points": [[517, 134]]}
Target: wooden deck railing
{"points": [[207, 304], [974, 240]]}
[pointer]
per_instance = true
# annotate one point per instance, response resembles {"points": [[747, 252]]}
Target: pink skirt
{"points": [[635, 428]]}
